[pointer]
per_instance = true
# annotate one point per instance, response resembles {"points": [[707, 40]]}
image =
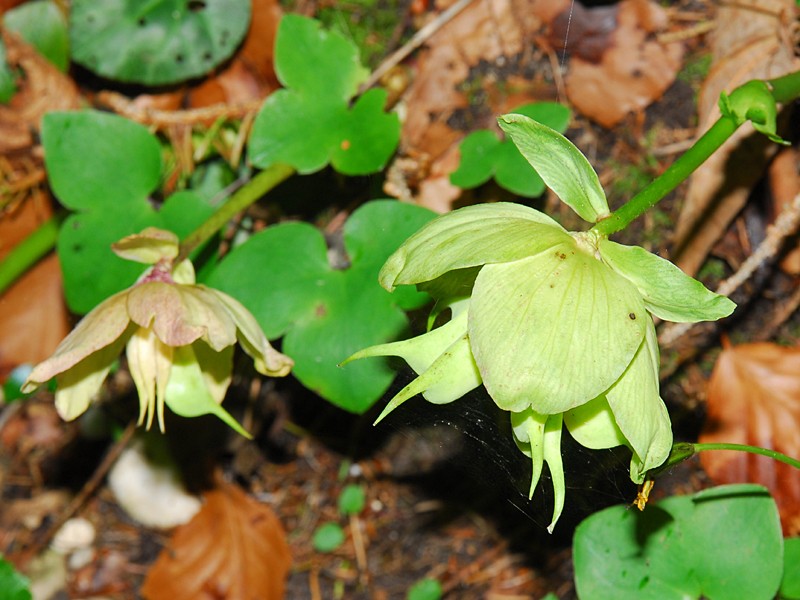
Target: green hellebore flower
{"points": [[558, 323], [178, 336]]}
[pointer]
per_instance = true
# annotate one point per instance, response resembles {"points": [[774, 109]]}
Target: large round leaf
{"points": [[156, 42]]}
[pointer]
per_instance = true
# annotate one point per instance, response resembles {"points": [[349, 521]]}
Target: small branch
{"points": [[88, 490], [784, 226], [254, 189], [415, 42]]}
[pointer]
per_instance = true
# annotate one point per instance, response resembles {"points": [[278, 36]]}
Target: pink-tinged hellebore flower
{"points": [[178, 336]]}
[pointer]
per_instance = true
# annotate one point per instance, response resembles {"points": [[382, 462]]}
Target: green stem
{"points": [[25, 254], [783, 89], [244, 197], [669, 179], [792, 462], [683, 450]]}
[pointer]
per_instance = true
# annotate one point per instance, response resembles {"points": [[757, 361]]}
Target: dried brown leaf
{"points": [[752, 40], [633, 71], [42, 89], [234, 548], [33, 316], [754, 398]]}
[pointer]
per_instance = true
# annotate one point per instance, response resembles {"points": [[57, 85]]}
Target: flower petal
{"points": [[187, 394], [449, 377], [181, 314], [668, 292], [97, 330], [639, 410], [267, 360], [539, 437], [150, 362], [560, 164], [420, 352], [593, 425], [468, 237], [148, 247], [216, 368], [553, 331], [77, 386]]}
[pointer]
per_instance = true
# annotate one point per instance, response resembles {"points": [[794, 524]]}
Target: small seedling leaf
{"points": [[328, 537], [352, 500], [790, 585], [13, 585], [159, 42], [425, 589]]}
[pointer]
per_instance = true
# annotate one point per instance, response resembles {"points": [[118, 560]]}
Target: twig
{"points": [[89, 488], [785, 225], [415, 42]]}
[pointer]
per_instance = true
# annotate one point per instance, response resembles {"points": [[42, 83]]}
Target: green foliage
{"points": [[13, 585], [10, 390], [328, 537], [790, 586], [8, 83], [103, 167], [484, 156], [310, 123], [425, 589], [41, 24], [352, 500], [326, 314], [722, 544], [158, 42]]}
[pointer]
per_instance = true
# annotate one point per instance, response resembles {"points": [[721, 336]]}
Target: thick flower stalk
{"points": [[557, 325], [178, 336]]}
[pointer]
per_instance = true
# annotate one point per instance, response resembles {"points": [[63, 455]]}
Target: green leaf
{"points": [[157, 42], [553, 331], [668, 292], [41, 24], [790, 585], [104, 167], [560, 164], [13, 584], [352, 500], [97, 159], [324, 314], [8, 79], [483, 155], [309, 124], [468, 237], [425, 589], [328, 537], [721, 544]]}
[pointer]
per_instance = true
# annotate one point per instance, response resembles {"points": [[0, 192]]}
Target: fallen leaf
{"points": [[754, 399], [784, 184], [42, 89], [467, 73], [752, 40], [234, 548], [634, 68], [30, 330]]}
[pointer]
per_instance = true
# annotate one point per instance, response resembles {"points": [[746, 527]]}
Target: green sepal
{"points": [[668, 292], [639, 411], [593, 425], [468, 237], [560, 164], [539, 437], [553, 331], [187, 393]]}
